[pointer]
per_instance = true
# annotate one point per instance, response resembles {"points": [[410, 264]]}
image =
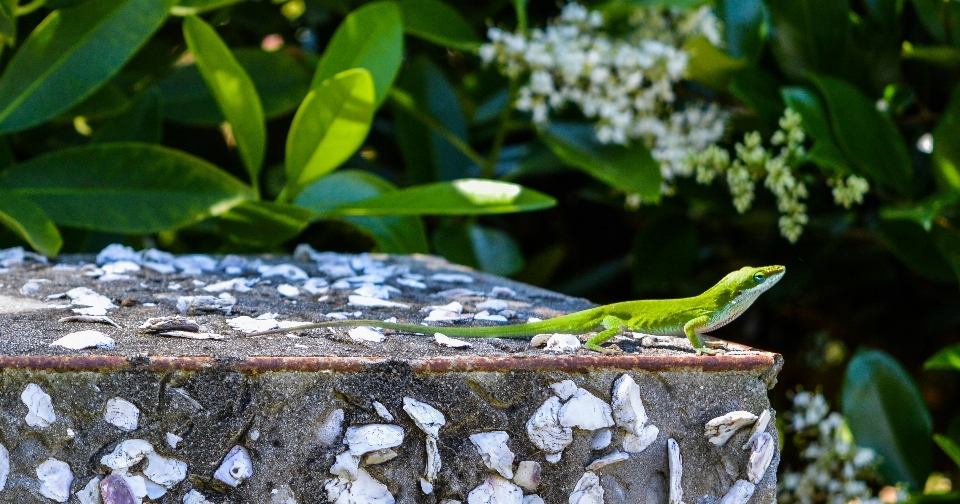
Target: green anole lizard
{"points": [[690, 317]]}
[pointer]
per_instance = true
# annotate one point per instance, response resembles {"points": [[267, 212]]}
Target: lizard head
{"points": [[749, 282]]}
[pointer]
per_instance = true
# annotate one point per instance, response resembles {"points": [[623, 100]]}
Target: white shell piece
{"points": [[287, 290], [195, 497], [676, 471], [363, 490], [485, 315], [493, 449], [316, 286], [376, 291], [458, 292], [39, 407], [540, 340], [553, 458], [409, 282], [345, 466], [451, 278], [722, 428], [527, 475], [446, 316], [192, 305], [739, 493], [503, 292], [127, 454], [195, 264], [495, 490], [236, 467], [382, 411], [628, 410], [96, 304], [427, 418], [586, 411], [426, 487], [613, 458], [4, 466], [288, 271], [90, 493], [760, 457], [759, 427], [164, 471], [122, 413], [587, 490], [380, 456], [432, 468], [564, 389], [237, 284], [55, 479], [532, 499], [633, 443], [601, 439], [251, 325], [330, 429], [173, 440], [444, 340], [367, 438], [374, 302], [545, 431], [364, 333], [85, 339], [120, 267], [563, 343], [493, 305], [117, 252], [282, 495], [154, 491]]}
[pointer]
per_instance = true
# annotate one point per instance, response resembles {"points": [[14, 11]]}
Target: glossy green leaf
{"points": [[885, 411], [923, 212], [329, 127], [825, 152], [760, 90], [263, 223], [808, 35], [8, 22], [72, 53], [459, 197], [427, 155], [938, 17], [868, 138], [397, 235], [140, 123], [188, 7], [949, 447], [943, 56], [232, 89], [106, 102], [946, 146], [915, 247], [743, 26], [484, 248], [946, 359], [125, 187], [280, 79], [630, 169], [28, 221], [437, 22], [709, 65], [370, 37]]}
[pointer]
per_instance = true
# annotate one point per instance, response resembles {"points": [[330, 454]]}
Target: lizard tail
{"points": [[503, 331]]}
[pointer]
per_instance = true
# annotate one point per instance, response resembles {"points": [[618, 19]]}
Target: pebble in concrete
{"points": [[382, 411], [587, 490], [236, 467], [364, 489], [195, 497], [84, 339], [39, 407], [4, 466], [759, 427], [55, 479], [527, 475], [722, 428], [586, 411], [495, 490], [545, 431], [127, 454], [371, 437], [601, 439], [564, 389], [613, 458], [739, 493], [119, 488], [760, 457], [675, 463], [493, 449], [90, 493], [164, 471], [122, 413]]}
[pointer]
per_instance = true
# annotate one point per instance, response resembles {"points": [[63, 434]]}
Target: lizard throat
{"points": [[738, 305]]}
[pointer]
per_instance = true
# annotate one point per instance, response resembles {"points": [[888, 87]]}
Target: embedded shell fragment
{"points": [[722, 428]]}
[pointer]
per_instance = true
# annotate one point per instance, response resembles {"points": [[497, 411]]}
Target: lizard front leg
{"points": [[690, 329], [611, 327]]}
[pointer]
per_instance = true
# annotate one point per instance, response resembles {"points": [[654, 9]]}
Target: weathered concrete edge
{"points": [[262, 364]]}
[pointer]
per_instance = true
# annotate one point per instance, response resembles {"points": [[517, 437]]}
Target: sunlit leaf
{"points": [[460, 197], [437, 22], [949, 447], [263, 223], [140, 123], [188, 7], [28, 221], [948, 358], [709, 65], [825, 151]]}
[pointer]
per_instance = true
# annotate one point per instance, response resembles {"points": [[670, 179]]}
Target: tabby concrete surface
{"points": [[131, 377]]}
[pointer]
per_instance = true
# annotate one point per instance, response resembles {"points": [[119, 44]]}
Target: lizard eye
{"points": [[759, 278]]}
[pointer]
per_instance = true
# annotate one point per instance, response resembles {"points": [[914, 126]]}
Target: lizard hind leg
{"points": [[612, 326], [690, 329]]}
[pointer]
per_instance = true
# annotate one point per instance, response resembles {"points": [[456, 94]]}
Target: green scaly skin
{"points": [[691, 317]]}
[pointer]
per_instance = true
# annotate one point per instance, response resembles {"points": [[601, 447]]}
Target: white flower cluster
{"points": [[626, 85], [834, 463]]}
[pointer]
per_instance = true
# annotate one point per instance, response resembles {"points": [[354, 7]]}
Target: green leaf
{"points": [[630, 169], [808, 35], [825, 152], [868, 138], [915, 247], [233, 91], [141, 123], [949, 447], [107, 101], [946, 359], [946, 145], [280, 79], [396, 235], [761, 91], [8, 22], [71, 54], [709, 65], [427, 155], [938, 17], [331, 124], [437, 22], [886, 413], [95, 187], [948, 243], [188, 7], [925, 211], [263, 223], [370, 37], [487, 249], [944, 56], [459, 197], [743, 26], [28, 221]]}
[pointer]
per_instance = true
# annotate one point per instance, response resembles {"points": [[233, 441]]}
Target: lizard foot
{"points": [[707, 351], [611, 350]]}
